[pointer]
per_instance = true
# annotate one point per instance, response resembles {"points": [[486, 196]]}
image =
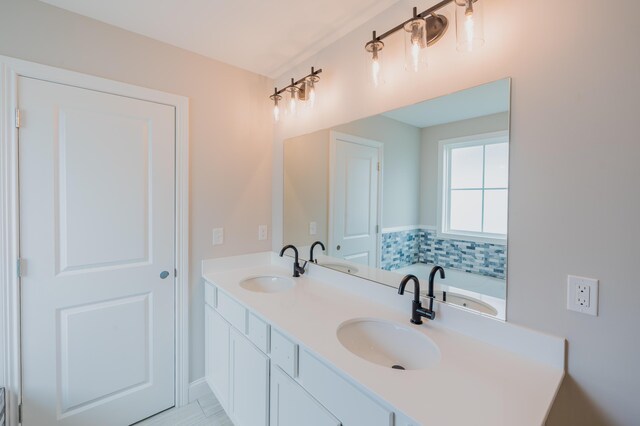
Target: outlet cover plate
{"points": [[262, 232], [218, 236], [582, 295]]}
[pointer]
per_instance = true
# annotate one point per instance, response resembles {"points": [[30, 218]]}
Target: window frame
{"points": [[444, 178]]}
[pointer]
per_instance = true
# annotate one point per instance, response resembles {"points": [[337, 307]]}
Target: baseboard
{"points": [[198, 388]]}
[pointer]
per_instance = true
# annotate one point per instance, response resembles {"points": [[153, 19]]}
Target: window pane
{"points": [[496, 166], [466, 211], [466, 167], [495, 211]]}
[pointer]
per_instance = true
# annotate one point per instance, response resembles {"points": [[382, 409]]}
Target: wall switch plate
{"points": [[218, 236], [582, 295], [313, 228], [262, 232]]}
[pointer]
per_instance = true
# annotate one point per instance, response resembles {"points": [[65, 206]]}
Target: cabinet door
{"points": [[291, 405], [217, 355], [249, 382]]}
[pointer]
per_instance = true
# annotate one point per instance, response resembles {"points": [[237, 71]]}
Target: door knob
{"points": [[338, 248], [164, 274]]}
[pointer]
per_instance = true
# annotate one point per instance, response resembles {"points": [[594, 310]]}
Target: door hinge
{"points": [[175, 273], [20, 413], [378, 166], [377, 229], [20, 268], [17, 119]]}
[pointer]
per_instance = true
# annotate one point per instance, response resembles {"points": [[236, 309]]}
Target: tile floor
{"points": [[206, 411]]}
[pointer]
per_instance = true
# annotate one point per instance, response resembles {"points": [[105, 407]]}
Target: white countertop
{"points": [[475, 382]]}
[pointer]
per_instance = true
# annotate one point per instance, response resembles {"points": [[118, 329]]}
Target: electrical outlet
{"points": [[582, 295], [218, 236], [262, 232], [313, 228]]}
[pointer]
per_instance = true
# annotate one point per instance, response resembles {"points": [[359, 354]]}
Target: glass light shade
{"points": [[310, 91], [276, 107], [469, 25], [374, 62], [292, 101], [415, 44]]}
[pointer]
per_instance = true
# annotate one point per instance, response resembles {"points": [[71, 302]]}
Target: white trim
{"points": [[443, 171], [333, 137], [198, 388], [400, 228], [10, 70], [407, 228]]}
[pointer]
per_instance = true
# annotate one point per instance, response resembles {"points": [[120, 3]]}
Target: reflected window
{"points": [[474, 175]]}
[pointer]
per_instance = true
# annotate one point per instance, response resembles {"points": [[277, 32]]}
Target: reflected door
{"points": [[354, 193], [97, 231]]}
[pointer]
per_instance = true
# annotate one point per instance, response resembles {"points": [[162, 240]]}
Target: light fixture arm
{"points": [[294, 84], [429, 12]]}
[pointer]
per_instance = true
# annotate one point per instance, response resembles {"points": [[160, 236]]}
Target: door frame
{"points": [[333, 139], [10, 302]]}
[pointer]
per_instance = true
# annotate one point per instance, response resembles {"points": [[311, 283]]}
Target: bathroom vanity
{"points": [[329, 348]]}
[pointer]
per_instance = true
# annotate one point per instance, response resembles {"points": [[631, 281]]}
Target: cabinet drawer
{"points": [[209, 295], [232, 311], [258, 332], [348, 403], [284, 353]]}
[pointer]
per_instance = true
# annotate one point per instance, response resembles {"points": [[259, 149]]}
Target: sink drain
{"points": [[397, 367]]}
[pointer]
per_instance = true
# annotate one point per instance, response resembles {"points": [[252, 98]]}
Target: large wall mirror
{"points": [[401, 192]]}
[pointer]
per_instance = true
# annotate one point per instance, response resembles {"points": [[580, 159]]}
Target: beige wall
{"points": [[575, 155], [229, 123], [306, 188], [429, 172]]}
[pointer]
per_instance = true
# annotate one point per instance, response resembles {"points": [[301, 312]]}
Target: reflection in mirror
{"points": [[401, 192]]}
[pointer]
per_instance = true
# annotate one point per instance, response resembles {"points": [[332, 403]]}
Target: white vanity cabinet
{"points": [[236, 371], [291, 405], [263, 378]]}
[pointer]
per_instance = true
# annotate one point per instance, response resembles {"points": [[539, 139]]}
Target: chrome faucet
{"points": [[297, 269], [317, 243], [417, 311]]}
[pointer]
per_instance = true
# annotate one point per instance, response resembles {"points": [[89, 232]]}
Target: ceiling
{"points": [[478, 101], [264, 36]]}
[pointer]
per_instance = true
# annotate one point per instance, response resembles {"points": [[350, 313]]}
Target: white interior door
{"points": [[354, 207], [97, 230]]}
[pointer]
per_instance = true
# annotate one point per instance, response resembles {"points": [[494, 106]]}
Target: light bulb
{"points": [[415, 44], [310, 91], [312, 96], [375, 68], [469, 25], [374, 48], [276, 111], [293, 95], [468, 28], [415, 55]]}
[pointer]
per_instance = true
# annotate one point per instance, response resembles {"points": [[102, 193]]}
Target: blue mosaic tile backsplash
{"points": [[404, 248], [400, 249]]}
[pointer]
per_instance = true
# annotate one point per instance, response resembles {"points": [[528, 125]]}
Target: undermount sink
{"points": [[267, 284], [468, 302], [388, 344], [341, 267]]}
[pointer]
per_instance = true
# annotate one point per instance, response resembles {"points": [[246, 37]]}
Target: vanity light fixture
{"points": [[427, 28], [301, 90]]}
